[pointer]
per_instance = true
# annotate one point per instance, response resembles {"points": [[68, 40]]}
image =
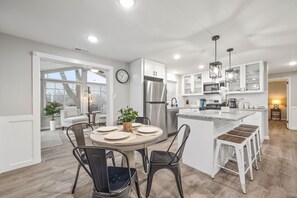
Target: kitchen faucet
{"points": [[172, 101]]}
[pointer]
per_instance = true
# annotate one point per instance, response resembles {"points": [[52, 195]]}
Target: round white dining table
{"points": [[136, 141]]}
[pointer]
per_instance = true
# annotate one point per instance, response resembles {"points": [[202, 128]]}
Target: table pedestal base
{"points": [[131, 158]]}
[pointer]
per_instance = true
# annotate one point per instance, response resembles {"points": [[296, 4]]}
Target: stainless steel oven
{"points": [[212, 88]]}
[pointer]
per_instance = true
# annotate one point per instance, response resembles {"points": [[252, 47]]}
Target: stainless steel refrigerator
{"points": [[155, 105]]}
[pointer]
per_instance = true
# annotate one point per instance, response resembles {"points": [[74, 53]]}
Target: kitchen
{"points": [[197, 65]]}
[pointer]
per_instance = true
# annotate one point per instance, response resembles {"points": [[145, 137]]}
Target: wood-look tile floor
{"points": [[276, 177]]}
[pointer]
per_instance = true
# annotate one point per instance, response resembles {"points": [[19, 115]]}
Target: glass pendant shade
{"points": [[215, 68], [229, 73]]}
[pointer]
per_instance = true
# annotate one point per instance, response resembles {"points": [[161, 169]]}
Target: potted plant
{"points": [[51, 110], [128, 115], [224, 106]]}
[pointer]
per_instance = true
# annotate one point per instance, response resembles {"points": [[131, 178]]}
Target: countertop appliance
{"points": [[155, 107], [202, 102], [212, 87], [232, 103]]}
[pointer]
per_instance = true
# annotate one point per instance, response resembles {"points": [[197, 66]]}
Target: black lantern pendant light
{"points": [[215, 68], [229, 73]]}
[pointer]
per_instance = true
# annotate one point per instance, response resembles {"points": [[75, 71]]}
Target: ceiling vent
{"points": [[81, 50]]}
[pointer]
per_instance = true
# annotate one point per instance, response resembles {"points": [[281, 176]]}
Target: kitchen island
{"points": [[206, 126]]}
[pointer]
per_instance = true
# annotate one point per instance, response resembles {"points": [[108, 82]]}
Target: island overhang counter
{"points": [[206, 126]]}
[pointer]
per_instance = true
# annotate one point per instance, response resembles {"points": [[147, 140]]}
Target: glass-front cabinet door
{"points": [[197, 83], [235, 85], [187, 84], [253, 77]]}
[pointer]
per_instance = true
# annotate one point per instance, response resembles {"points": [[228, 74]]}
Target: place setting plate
{"points": [[117, 136], [147, 129], [106, 129], [135, 124]]}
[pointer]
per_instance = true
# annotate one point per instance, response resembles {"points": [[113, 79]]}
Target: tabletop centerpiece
{"points": [[224, 106], [128, 115], [51, 110]]}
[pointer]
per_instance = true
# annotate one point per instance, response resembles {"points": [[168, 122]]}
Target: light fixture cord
{"points": [[215, 50], [230, 59]]}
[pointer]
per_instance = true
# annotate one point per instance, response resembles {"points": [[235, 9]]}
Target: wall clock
{"points": [[122, 76]]}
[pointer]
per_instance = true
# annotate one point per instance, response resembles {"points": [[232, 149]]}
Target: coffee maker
{"points": [[232, 103]]}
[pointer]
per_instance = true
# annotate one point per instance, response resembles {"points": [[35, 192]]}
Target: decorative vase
{"points": [[52, 125], [225, 109], [127, 126]]}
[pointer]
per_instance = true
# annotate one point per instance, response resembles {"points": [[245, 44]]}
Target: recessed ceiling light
{"points": [[127, 3], [94, 70], [201, 66], [293, 63], [176, 56], [92, 39]]}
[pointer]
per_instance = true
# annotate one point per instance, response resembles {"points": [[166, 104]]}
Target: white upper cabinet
{"points": [[249, 78], [193, 84], [154, 69]]}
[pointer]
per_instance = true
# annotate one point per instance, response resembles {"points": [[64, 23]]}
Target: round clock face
{"points": [[122, 76]]}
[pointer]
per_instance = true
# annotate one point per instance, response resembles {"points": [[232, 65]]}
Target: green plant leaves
{"points": [[127, 114], [51, 109]]}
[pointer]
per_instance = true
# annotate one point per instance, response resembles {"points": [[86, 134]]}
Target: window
{"points": [[96, 77], [171, 90], [70, 75], [98, 94], [68, 94]]}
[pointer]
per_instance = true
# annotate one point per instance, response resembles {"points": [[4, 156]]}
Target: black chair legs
{"points": [[177, 174], [76, 178], [143, 153], [150, 177]]}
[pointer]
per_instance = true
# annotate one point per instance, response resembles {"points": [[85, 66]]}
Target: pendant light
{"points": [[229, 73], [215, 68]]}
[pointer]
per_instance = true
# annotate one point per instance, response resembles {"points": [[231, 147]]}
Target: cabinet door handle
{"points": [[153, 73], [156, 73]]}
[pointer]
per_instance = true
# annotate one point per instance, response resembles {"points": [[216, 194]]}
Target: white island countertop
{"points": [[234, 115]]}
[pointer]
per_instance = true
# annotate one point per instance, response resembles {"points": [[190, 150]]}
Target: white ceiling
{"points": [[157, 29]]}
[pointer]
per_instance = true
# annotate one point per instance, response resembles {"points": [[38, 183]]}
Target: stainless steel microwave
{"points": [[212, 88]]}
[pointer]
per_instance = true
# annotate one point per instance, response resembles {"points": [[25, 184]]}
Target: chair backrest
{"points": [[78, 130], [179, 153], [97, 163], [143, 120]]}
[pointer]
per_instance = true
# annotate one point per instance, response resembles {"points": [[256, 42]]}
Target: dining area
{"points": [[121, 143]]}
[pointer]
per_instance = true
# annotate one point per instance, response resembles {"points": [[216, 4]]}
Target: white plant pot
{"points": [[53, 125], [225, 109]]}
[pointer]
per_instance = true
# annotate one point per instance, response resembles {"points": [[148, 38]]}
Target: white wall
{"points": [[16, 74]]}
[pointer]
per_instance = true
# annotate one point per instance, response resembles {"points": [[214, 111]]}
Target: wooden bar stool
{"points": [[251, 142], [238, 143], [255, 131], [257, 128]]}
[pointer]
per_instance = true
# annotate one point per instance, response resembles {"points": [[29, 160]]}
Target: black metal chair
{"points": [[143, 152], [169, 160], [79, 138], [109, 181]]}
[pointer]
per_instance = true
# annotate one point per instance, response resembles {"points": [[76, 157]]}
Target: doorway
{"points": [[279, 100], [71, 65]]}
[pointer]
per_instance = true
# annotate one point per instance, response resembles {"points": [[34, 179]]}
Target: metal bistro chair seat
{"points": [[108, 181], [78, 130], [168, 160]]}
